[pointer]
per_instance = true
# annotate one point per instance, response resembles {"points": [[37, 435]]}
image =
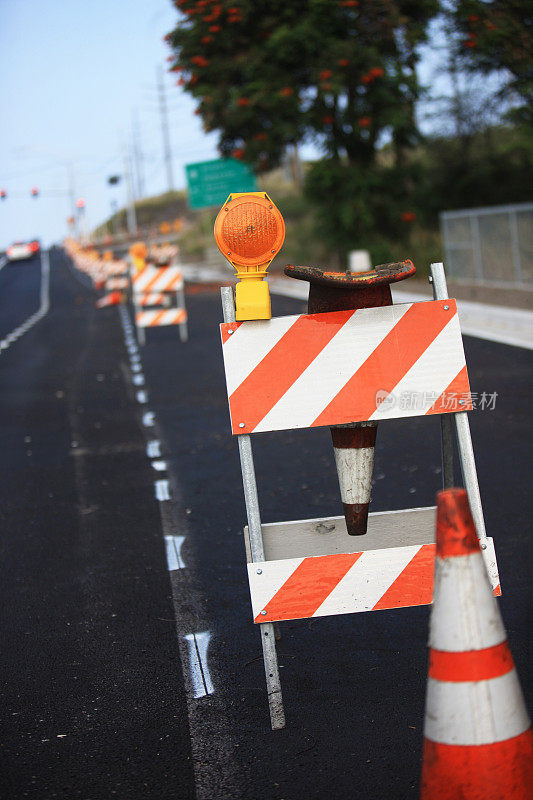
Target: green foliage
{"points": [[497, 167], [497, 35], [269, 73], [340, 73]]}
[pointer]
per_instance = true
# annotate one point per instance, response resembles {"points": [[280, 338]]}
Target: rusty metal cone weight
{"points": [[353, 443]]}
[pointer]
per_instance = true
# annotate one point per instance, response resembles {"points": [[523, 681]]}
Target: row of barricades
{"points": [[151, 274]]}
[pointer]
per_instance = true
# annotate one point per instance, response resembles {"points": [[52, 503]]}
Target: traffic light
{"points": [[34, 191], [3, 194], [113, 180], [80, 202]]}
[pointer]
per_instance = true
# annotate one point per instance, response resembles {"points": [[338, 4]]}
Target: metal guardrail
{"points": [[490, 246]]}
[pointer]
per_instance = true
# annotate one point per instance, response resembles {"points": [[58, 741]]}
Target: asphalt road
{"points": [[19, 292], [104, 696]]}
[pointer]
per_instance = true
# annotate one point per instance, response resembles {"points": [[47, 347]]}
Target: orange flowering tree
{"points": [[341, 74]]}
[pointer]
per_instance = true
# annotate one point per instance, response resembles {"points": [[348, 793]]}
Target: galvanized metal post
{"points": [[464, 439], [184, 329], [515, 247], [268, 641], [478, 259], [446, 424]]}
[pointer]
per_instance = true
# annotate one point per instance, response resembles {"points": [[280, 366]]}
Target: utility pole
{"points": [[131, 216], [72, 195], [164, 128], [137, 154]]}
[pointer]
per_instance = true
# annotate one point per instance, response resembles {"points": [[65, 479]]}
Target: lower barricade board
{"points": [[117, 283], [350, 582], [160, 316]]}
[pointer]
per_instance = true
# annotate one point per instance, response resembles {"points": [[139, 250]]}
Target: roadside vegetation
{"points": [[270, 76]]}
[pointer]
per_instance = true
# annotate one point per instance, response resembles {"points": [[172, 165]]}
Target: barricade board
{"points": [[117, 283], [157, 279], [153, 299], [339, 367], [347, 583], [152, 318]]}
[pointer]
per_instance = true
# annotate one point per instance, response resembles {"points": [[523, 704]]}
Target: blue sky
{"points": [[73, 74]]}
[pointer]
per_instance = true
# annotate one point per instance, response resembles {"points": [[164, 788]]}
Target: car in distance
{"points": [[22, 250]]}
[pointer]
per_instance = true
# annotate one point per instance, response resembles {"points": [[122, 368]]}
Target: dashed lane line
{"points": [[199, 678], [41, 312]]}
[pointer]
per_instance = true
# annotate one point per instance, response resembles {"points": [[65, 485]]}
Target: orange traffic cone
{"points": [[478, 743], [112, 299]]}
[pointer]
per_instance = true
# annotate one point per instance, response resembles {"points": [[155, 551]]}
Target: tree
{"points": [[340, 73], [497, 36]]}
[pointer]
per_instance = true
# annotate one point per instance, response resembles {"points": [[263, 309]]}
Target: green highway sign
{"points": [[210, 182]]}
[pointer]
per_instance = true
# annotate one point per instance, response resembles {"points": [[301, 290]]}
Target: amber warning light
{"points": [[249, 231]]}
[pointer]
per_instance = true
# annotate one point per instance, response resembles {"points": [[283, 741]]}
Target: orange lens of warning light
{"points": [[249, 230]]}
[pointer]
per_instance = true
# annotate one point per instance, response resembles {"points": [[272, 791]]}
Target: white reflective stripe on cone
{"points": [[474, 713], [465, 615], [354, 468]]}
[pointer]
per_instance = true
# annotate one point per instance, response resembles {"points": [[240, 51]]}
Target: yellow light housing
{"points": [[249, 232]]}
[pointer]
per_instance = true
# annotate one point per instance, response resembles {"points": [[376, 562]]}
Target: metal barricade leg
{"points": [[462, 426], [183, 326], [268, 641], [468, 467], [446, 431]]}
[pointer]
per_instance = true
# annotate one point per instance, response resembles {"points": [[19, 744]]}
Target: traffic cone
{"points": [[354, 443], [478, 743], [112, 299]]}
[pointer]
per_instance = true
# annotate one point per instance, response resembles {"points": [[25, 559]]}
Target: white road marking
{"points": [[200, 677], [42, 310], [174, 558], [148, 419], [138, 380], [159, 466], [162, 490], [142, 397], [153, 448]]}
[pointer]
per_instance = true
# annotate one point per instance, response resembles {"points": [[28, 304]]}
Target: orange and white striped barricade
{"points": [[478, 742], [159, 299], [117, 276], [337, 368]]}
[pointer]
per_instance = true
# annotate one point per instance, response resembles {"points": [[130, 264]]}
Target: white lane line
{"points": [[201, 679], [174, 557], [142, 397], [153, 448], [138, 380], [162, 490], [41, 312], [159, 466], [148, 419]]}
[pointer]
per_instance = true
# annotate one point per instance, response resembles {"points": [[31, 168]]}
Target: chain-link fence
{"points": [[491, 246]]}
